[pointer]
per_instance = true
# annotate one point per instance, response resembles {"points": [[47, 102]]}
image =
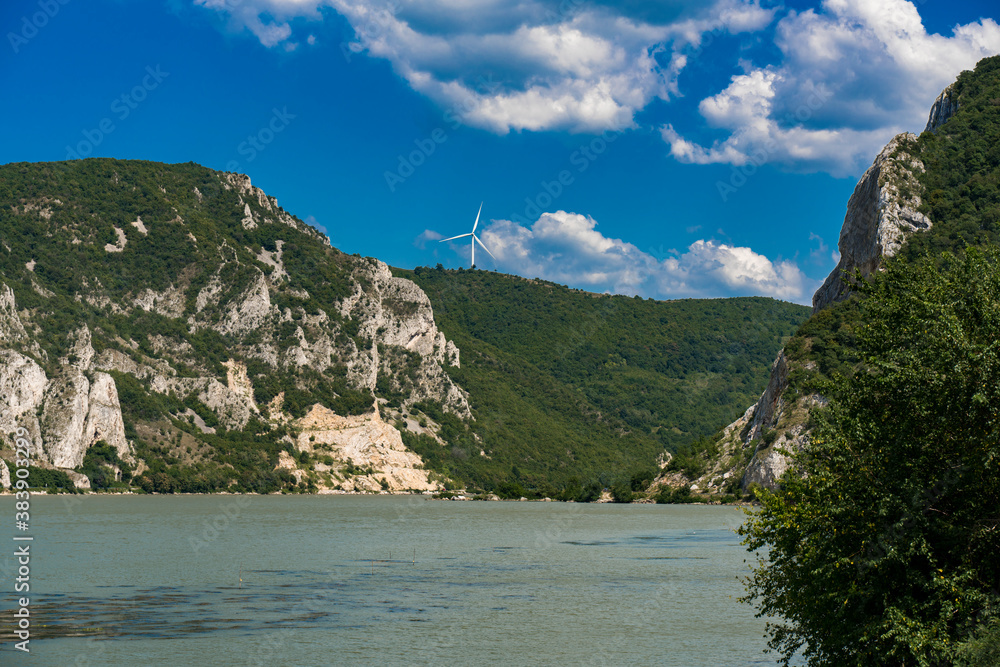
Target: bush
{"points": [[99, 463], [53, 480], [622, 493]]}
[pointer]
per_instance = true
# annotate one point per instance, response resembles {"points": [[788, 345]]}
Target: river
{"points": [[380, 580]]}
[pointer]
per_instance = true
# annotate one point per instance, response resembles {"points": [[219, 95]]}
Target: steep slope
{"points": [[180, 316], [573, 390], [922, 196]]}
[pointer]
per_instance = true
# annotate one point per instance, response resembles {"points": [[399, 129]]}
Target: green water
{"points": [[357, 580]]}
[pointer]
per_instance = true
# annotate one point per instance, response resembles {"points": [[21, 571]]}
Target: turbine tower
{"points": [[475, 239]]}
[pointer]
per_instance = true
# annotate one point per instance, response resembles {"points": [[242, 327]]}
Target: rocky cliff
{"points": [[882, 213], [222, 314]]}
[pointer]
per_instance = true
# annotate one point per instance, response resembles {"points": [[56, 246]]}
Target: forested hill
{"points": [[171, 327], [925, 199], [569, 384]]}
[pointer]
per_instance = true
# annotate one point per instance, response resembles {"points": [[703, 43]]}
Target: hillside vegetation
{"points": [[574, 389]]}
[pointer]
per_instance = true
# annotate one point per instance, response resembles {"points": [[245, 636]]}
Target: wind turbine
{"points": [[475, 239]]}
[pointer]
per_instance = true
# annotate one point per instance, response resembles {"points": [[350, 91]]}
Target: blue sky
{"points": [[667, 149]]}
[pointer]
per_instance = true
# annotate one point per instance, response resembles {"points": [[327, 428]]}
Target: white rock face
{"points": [[881, 214], [75, 411], [22, 389], [11, 328], [104, 417], [170, 302], [766, 408], [250, 310], [81, 353], [273, 259], [365, 440], [79, 480], [765, 470], [120, 245], [395, 311], [64, 418], [4, 475], [944, 108]]}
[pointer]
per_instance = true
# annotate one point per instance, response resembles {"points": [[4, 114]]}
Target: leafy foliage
{"points": [[99, 463], [886, 550], [962, 176], [54, 481]]}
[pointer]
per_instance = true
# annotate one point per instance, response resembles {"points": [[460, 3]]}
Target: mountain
{"points": [[571, 389], [174, 324], [173, 328], [923, 196]]}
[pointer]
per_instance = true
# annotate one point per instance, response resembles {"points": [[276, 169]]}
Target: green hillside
{"points": [[570, 387], [156, 264]]}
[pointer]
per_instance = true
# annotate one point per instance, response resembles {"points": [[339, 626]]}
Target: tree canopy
{"points": [[882, 545]]}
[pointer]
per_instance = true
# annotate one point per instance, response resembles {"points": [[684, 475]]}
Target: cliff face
{"points": [[234, 324], [373, 451], [881, 214]]}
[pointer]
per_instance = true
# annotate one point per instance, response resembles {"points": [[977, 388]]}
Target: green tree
{"points": [[883, 546]]}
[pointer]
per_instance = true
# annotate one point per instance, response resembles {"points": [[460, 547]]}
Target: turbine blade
{"points": [[484, 247], [454, 237], [476, 224]]}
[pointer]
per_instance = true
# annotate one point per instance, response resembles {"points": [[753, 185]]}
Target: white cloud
{"points": [[425, 237], [851, 77], [567, 248], [571, 65], [848, 76]]}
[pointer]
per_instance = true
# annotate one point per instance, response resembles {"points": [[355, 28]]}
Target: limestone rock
{"points": [[396, 312], [81, 353], [64, 418], [881, 213], [11, 328], [230, 404], [116, 360], [248, 311], [364, 440], [767, 405], [170, 302], [22, 390], [944, 108], [104, 417], [4, 475], [765, 470], [80, 481], [286, 462]]}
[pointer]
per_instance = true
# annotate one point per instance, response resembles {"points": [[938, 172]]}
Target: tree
{"points": [[882, 546]]}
